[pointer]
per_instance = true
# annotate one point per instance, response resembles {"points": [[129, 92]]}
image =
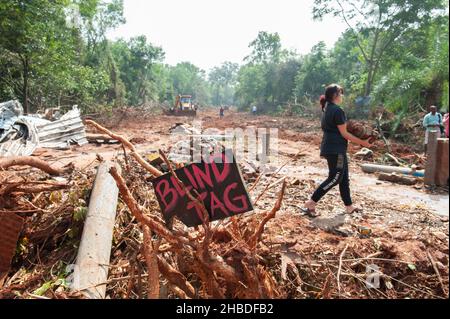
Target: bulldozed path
{"points": [[295, 134]]}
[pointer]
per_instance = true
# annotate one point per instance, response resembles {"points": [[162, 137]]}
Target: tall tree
{"points": [[222, 80], [377, 24], [187, 78], [29, 30], [265, 48], [315, 72], [136, 60]]}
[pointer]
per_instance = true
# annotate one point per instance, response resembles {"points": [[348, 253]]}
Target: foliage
{"points": [[56, 53], [377, 25]]}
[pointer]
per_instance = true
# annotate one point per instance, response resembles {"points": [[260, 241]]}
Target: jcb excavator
{"points": [[183, 106]]}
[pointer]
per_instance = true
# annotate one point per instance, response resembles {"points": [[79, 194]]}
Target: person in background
{"points": [[445, 121], [221, 111], [432, 122], [334, 150], [254, 109]]}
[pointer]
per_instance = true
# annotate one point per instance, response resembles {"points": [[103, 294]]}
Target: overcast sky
{"points": [[209, 32]]}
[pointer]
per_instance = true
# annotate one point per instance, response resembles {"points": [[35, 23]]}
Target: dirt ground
{"points": [[399, 229], [294, 135]]}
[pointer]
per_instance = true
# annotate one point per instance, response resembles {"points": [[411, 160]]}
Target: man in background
{"points": [[432, 122]]}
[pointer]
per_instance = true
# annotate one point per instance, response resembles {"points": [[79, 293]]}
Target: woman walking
{"points": [[334, 150]]}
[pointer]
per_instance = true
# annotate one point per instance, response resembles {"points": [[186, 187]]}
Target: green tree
{"points": [[315, 73], [136, 59], [346, 63], [377, 24], [188, 79], [251, 85], [30, 30], [265, 48], [223, 80], [415, 74]]}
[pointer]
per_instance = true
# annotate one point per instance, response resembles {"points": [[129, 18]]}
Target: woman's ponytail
{"points": [[322, 102]]}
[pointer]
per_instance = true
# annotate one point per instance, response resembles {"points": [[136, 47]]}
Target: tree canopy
{"points": [[56, 53]]}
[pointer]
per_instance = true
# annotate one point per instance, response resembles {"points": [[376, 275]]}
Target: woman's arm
{"points": [[352, 138]]}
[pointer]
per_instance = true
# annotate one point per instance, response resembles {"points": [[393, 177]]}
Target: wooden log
{"points": [[395, 178], [101, 138], [373, 168], [430, 167], [91, 269], [442, 174]]}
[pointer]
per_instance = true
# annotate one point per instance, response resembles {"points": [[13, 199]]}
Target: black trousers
{"points": [[337, 174]]}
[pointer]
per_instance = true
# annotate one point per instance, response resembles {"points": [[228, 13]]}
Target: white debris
{"points": [[21, 134]]}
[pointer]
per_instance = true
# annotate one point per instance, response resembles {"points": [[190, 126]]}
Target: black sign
{"points": [[217, 180]]}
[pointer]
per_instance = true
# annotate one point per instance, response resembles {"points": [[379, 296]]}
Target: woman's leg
{"points": [[344, 185], [335, 173]]}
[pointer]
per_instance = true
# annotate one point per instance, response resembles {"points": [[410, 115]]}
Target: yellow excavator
{"points": [[183, 106]]}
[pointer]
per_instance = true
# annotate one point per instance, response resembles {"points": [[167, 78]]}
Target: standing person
{"points": [[334, 150], [432, 122], [446, 121], [221, 112], [254, 109]]}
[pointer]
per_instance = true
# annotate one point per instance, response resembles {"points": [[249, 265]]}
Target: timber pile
{"points": [[271, 253]]}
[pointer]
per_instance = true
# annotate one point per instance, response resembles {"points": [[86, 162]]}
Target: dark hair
{"points": [[331, 91]]}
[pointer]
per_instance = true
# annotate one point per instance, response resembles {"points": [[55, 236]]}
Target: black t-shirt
{"points": [[333, 142]]}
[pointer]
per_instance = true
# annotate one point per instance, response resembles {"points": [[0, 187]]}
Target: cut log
{"points": [[395, 178], [373, 168], [101, 139], [441, 174], [92, 263], [430, 168]]}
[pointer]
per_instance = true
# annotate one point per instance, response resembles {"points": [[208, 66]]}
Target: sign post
{"points": [[217, 180]]}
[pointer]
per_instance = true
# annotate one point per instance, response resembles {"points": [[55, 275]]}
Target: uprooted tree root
{"points": [[218, 275]]}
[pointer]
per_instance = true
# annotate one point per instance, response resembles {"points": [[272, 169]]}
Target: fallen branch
{"points": [[19, 188], [326, 290], [138, 213], [33, 162], [395, 159], [369, 257], [24, 212], [153, 170], [254, 239], [436, 270], [339, 269], [269, 186], [175, 277], [152, 264]]}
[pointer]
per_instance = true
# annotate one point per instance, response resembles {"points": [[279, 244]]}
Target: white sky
{"points": [[209, 32]]}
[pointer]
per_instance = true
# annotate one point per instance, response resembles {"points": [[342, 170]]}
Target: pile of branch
{"points": [[223, 260], [210, 255]]}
